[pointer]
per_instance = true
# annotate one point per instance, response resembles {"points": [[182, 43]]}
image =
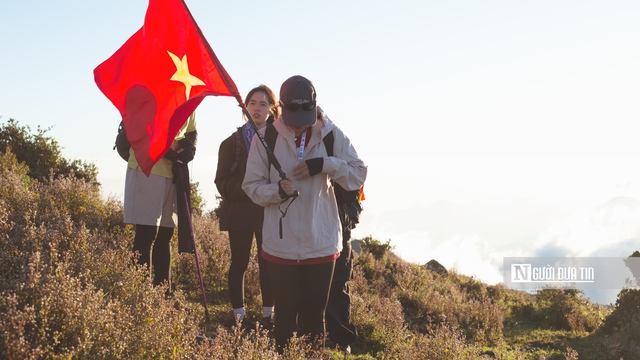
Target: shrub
{"points": [[567, 309], [69, 288], [620, 334], [195, 198], [441, 343], [42, 154], [380, 324], [375, 247]]}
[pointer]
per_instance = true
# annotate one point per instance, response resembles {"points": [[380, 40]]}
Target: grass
{"points": [[69, 289]]}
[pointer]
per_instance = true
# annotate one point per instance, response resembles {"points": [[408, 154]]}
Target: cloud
{"points": [[608, 229], [468, 255], [473, 238]]}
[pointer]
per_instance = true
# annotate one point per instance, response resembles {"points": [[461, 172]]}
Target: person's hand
{"points": [[171, 155], [286, 188], [186, 154], [301, 171]]}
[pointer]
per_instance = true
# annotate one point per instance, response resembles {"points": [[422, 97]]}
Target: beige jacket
{"points": [[311, 227]]}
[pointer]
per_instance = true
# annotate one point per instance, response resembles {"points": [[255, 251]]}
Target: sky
{"points": [[491, 129]]}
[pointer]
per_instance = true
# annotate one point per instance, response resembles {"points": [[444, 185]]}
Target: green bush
{"points": [[567, 309], [375, 247], [42, 154], [620, 334]]}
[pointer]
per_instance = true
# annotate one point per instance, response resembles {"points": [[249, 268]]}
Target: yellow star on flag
{"points": [[182, 74]]}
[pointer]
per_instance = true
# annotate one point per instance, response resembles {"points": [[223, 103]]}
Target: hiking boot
{"points": [[344, 349], [267, 323]]}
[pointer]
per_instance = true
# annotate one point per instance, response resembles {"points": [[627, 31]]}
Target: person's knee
{"points": [[164, 234]]}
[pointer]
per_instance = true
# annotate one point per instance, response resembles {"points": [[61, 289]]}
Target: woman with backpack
{"points": [[240, 216], [151, 202]]}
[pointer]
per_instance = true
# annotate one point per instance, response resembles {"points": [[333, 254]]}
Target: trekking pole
{"points": [[195, 252]]}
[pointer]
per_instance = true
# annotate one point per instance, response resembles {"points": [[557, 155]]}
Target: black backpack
{"points": [[122, 143], [238, 149], [349, 206]]}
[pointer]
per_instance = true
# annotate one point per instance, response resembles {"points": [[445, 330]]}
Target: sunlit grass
{"points": [[69, 289]]}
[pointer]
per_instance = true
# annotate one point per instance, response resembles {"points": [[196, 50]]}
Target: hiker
{"points": [[240, 216], [301, 233], [150, 202]]}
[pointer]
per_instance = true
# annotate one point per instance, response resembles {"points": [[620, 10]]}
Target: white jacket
{"points": [[311, 227]]}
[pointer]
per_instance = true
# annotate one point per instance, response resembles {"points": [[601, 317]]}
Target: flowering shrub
{"points": [[69, 288]]}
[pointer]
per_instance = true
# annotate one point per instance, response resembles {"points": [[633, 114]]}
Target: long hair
{"points": [[274, 109]]}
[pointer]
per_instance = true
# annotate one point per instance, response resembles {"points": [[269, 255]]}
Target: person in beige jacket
{"points": [[302, 235]]}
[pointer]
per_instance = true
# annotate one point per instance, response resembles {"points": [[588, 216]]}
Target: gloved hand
{"points": [[186, 154], [181, 155], [171, 155], [187, 147]]}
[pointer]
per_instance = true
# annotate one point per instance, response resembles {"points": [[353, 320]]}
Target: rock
{"points": [[436, 267]]}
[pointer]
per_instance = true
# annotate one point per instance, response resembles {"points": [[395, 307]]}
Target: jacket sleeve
{"points": [[345, 167], [256, 182], [228, 182]]}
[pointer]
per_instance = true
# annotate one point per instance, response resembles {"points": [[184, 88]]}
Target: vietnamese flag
{"points": [[159, 76]]}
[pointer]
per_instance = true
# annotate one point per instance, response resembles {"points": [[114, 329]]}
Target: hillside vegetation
{"points": [[69, 289]]}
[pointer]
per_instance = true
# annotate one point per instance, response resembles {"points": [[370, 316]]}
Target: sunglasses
{"points": [[295, 107]]}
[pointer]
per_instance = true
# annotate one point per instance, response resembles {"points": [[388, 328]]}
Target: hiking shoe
{"points": [[267, 323], [202, 338], [344, 349]]}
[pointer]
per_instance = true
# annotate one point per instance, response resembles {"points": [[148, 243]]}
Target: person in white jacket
{"points": [[302, 234]]}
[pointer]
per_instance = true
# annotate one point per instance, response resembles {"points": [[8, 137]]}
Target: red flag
{"points": [[159, 77]]}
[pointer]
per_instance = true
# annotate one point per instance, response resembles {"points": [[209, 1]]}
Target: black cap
{"points": [[298, 90]]}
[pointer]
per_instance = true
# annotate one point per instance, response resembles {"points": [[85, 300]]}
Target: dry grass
{"points": [[69, 289]]}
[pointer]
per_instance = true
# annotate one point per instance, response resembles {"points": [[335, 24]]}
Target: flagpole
{"points": [[232, 87], [195, 252]]}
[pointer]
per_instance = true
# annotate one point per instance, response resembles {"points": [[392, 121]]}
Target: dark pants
{"points": [[241, 242], [300, 293], [339, 326], [159, 238]]}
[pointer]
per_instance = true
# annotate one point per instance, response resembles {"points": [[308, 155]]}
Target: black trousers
{"points": [[301, 293], [338, 315], [240, 242], [158, 238]]}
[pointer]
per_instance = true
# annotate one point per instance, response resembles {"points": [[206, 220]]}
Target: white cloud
{"points": [[473, 238]]}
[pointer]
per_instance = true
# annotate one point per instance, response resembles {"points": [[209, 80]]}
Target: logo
{"points": [[571, 272], [299, 101], [520, 272], [552, 274]]}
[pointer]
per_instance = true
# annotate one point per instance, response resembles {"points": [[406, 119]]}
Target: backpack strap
{"points": [[270, 137], [239, 142], [342, 196], [122, 143]]}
